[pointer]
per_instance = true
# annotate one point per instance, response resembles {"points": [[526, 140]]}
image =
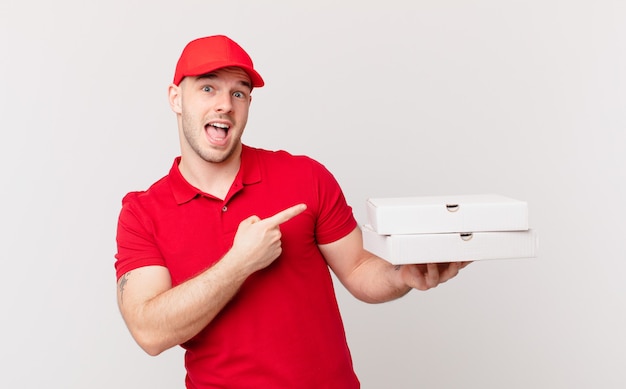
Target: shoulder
{"points": [[154, 192], [282, 160]]}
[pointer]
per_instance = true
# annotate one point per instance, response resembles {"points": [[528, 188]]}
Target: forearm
{"points": [[367, 277], [175, 315], [376, 281]]}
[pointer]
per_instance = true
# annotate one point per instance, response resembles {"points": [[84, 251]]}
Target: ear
{"points": [[174, 94]]}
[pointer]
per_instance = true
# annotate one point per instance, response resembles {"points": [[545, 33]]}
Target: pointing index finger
{"points": [[286, 214]]}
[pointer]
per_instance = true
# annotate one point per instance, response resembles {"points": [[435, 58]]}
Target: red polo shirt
{"points": [[283, 329]]}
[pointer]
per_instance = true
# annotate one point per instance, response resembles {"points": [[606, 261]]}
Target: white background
{"points": [[521, 98]]}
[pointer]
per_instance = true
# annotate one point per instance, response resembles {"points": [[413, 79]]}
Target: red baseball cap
{"points": [[204, 55]]}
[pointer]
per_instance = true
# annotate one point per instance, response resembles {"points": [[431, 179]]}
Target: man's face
{"points": [[214, 112]]}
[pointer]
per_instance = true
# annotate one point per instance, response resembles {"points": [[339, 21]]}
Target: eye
{"points": [[239, 95], [207, 88]]}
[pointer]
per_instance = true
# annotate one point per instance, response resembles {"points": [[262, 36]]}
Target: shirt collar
{"points": [[249, 174]]}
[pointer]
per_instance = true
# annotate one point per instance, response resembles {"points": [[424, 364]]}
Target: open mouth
{"points": [[217, 132]]}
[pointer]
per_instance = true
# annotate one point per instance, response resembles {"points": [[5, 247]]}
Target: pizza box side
{"points": [[444, 214], [451, 247]]}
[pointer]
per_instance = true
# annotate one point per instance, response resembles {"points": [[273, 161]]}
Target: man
{"points": [[229, 254]]}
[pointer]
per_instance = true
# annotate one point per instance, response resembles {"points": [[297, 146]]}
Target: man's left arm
{"points": [[374, 280]]}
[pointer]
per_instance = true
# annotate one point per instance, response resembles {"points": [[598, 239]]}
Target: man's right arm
{"points": [[160, 317]]}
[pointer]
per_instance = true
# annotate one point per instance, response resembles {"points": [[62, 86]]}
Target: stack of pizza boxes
{"points": [[404, 230]]}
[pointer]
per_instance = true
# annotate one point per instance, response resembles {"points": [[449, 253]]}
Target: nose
{"points": [[223, 102]]}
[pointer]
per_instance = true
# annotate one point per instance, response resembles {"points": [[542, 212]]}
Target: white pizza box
{"points": [[450, 247], [441, 214]]}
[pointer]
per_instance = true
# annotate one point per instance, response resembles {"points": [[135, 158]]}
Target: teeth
{"points": [[220, 125]]}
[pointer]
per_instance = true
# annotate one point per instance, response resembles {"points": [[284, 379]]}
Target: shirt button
{"points": [[224, 208]]}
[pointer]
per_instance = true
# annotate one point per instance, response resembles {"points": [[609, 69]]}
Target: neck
{"points": [[214, 178]]}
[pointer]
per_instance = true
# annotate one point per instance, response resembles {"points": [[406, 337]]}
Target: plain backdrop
{"points": [[397, 98]]}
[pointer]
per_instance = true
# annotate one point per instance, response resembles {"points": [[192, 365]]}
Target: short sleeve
{"points": [[335, 218], [136, 246]]}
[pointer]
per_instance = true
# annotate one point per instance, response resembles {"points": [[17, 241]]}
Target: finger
{"points": [[286, 214], [416, 276], [451, 271], [251, 220], [432, 275]]}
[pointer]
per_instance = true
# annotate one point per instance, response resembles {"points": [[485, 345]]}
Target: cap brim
{"points": [[255, 77]]}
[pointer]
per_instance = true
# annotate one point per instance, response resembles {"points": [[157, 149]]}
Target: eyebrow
{"points": [[213, 75]]}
